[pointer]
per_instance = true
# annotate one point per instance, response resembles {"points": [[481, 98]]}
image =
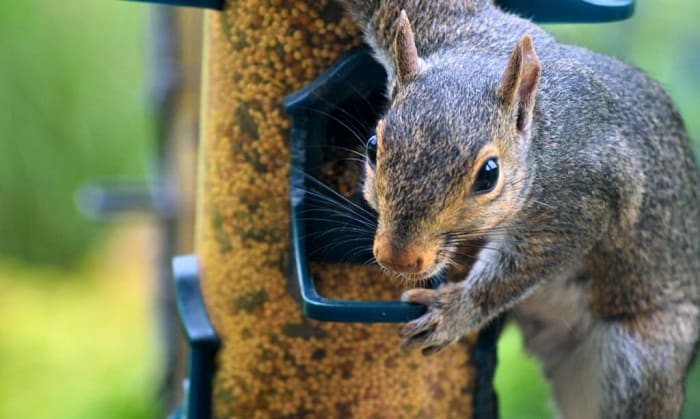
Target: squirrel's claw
{"points": [[439, 326], [419, 332], [430, 350], [419, 296]]}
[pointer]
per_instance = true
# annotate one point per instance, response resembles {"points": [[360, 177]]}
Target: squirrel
{"points": [[573, 175]]}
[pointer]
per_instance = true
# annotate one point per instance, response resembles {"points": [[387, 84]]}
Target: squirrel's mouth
{"points": [[422, 277], [438, 262], [453, 258], [412, 261]]}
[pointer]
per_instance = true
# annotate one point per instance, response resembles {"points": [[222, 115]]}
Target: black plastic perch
{"points": [[543, 11], [201, 4], [570, 11], [202, 339], [311, 127]]}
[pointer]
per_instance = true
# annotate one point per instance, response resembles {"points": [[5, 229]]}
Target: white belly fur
{"points": [[560, 331]]}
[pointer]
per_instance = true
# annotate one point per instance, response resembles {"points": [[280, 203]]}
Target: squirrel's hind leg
{"points": [[609, 369], [644, 360], [559, 329]]}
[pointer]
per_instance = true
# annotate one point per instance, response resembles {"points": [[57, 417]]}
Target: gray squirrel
{"points": [[572, 174]]}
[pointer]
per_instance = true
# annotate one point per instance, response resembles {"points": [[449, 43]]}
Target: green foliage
{"points": [[662, 38], [73, 108], [522, 392], [78, 344]]}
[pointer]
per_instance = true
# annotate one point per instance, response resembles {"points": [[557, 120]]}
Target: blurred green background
{"points": [[77, 326], [77, 336]]}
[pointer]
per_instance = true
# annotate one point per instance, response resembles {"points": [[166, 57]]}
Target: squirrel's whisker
{"points": [[320, 234], [360, 95], [338, 108], [343, 219], [341, 148], [338, 243], [341, 211], [338, 195], [348, 215], [338, 120]]}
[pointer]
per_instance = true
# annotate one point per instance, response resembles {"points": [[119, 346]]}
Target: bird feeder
{"points": [[291, 321]]}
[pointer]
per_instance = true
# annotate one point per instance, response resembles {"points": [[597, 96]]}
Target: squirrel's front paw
{"points": [[443, 323]]}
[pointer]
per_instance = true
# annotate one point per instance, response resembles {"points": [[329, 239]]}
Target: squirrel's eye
{"points": [[371, 150], [487, 178]]}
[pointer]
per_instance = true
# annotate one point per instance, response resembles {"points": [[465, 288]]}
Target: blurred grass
{"points": [[522, 393], [73, 108], [80, 344]]}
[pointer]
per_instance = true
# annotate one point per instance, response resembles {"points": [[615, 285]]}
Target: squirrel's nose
{"points": [[404, 260]]}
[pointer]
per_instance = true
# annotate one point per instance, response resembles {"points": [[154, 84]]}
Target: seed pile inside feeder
{"points": [[274, 362]]}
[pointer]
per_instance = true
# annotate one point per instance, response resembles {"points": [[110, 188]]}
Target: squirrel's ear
{"points": [[405, 52], [520, 80]]}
